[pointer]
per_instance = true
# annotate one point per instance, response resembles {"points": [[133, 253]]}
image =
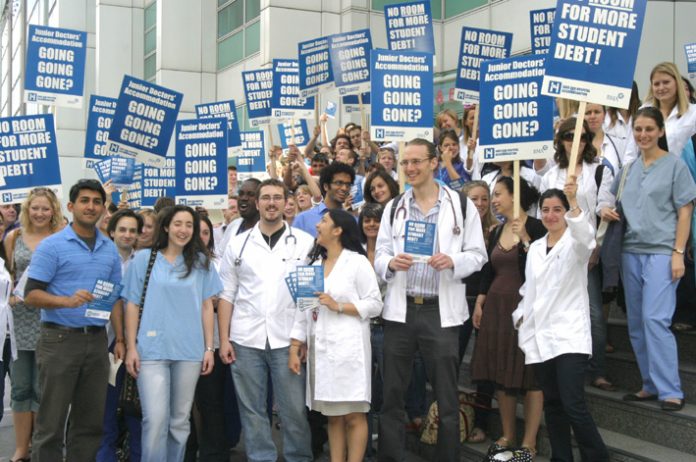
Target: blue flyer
{"points": [[228, 110], [351, 103], [28, 157], [101, 113], [516, 120], [258, 88], [286, 103], [201, 161], [419, 241], [540, 24], [297, 134], [122, 171], [477, 46], [55, 66], [103, 169], [350, 60], [316, 73], [404, 79], [105, 294], [253, 158], [593, 52], [357, 192], [158, 182], [331, 109], [290, 284], [308, 281], [410, 27], [144, 121], [690, 50]]}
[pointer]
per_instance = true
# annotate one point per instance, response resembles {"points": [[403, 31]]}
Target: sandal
{"points": [[477, 436], [502, 444], [524, 454]]}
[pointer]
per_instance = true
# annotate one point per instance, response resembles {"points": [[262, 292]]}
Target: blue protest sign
{"points": [[410, 27], [158, 182], [144, 121], [419, 240], [103, 169], [253, 158], [201, 158], [134, 191], [286, 103], [258, 88], [594, 46], [297, 134], [540, 24], [350, 61], [55, 72], [28, 157], [99, 118], [405, 82], [228, 110], [351, 103], [477, 46], [516, 121], [121, 171], [690, 50], [315, 66]]}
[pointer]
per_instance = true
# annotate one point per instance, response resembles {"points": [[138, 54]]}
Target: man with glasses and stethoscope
{"points": [[425, 303], [256, 313]]}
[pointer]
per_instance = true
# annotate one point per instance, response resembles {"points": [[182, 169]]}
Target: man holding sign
{"points": [[424, 303]]}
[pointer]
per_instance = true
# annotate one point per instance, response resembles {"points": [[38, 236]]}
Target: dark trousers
{"points": [[439, 348], [73, 373], [562, 380], [4, 370]]}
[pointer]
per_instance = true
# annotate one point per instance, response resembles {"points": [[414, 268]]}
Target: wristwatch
{"points": [[340, 308], [210, 349], [679, 251]]}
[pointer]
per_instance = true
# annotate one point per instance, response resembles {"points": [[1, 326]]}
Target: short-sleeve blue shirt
{"points": [[307, 220], [171, 327], [66, 263]]}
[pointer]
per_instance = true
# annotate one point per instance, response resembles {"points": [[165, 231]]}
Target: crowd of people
{"points": [[203, 341]]}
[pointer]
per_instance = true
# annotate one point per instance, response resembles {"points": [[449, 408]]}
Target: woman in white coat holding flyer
{"points": [[337, 333], [553, 319]]}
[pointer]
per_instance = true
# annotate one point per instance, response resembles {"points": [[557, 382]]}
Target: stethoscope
{"points": [[456, 230], [289, 238]]}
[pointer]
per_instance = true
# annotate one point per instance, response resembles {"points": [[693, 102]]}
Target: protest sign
{"points": [[405, 82], [258, 88], [286, 103], [350, 61], [316, 73], [297, 134], [516, 119], [55, 66], [252, 162], [134, 192], [99, 119], [121, 171], [144, 121], [228, 110], [158, 182], [103, 169], [419, 240], [331, 109], [540, 24], [201, 157], [594, 46], [28, 157], [410, 27], [477, 46], [351, 103], [690, 49]]}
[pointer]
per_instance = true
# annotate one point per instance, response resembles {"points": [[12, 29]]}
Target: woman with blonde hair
{"points": [[40, 216], [146, 237]]}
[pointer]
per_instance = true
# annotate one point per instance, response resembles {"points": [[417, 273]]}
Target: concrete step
{"points": [[617, 333], [623, 372]]}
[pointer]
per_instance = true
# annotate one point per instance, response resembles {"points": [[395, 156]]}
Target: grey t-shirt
{"points": [[651, 200]]}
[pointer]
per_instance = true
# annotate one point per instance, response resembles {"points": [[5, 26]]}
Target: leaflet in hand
{"points": [[105, 294], [122, 171], [331, 109], [420, 240], [308, 280], [358, 198]]}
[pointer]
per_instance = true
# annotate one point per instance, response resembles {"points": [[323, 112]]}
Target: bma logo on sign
{"points": [[7, 197], [489, 153], [379, 133], [555, 87]]}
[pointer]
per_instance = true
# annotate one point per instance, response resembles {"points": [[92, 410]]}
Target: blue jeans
{"points": [[25, 382], [651, 297], [166, 396], [250, 374]]}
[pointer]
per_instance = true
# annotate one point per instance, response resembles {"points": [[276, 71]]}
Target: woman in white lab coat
{"points": [[338, 335], [553, 319]]}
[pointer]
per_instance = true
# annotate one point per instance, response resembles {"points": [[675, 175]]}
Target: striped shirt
{"points": [[423, 280]]}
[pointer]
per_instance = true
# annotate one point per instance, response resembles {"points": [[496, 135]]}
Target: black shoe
{"points": [[634, 397], [671, 406]]}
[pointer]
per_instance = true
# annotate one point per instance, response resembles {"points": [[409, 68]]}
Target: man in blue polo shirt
{"points": [[72, 353], [335, 182]]}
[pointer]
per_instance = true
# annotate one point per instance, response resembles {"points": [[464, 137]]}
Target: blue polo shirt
{"points": [[443, 175], [307, 220], [65, 262]]}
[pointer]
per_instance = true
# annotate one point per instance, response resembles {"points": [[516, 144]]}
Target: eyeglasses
{"points": [[341, 184], [266, 198], [414, 162], [568, 136]]}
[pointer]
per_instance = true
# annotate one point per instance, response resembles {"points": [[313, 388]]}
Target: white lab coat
{"points": [[467, 250], [555, 308], [678, 131], [263, 307], [342, 353], [6, 319]]}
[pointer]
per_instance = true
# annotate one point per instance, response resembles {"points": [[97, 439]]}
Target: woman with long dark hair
{"points": [[338, 335], [170, 335], [380, 187]]}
